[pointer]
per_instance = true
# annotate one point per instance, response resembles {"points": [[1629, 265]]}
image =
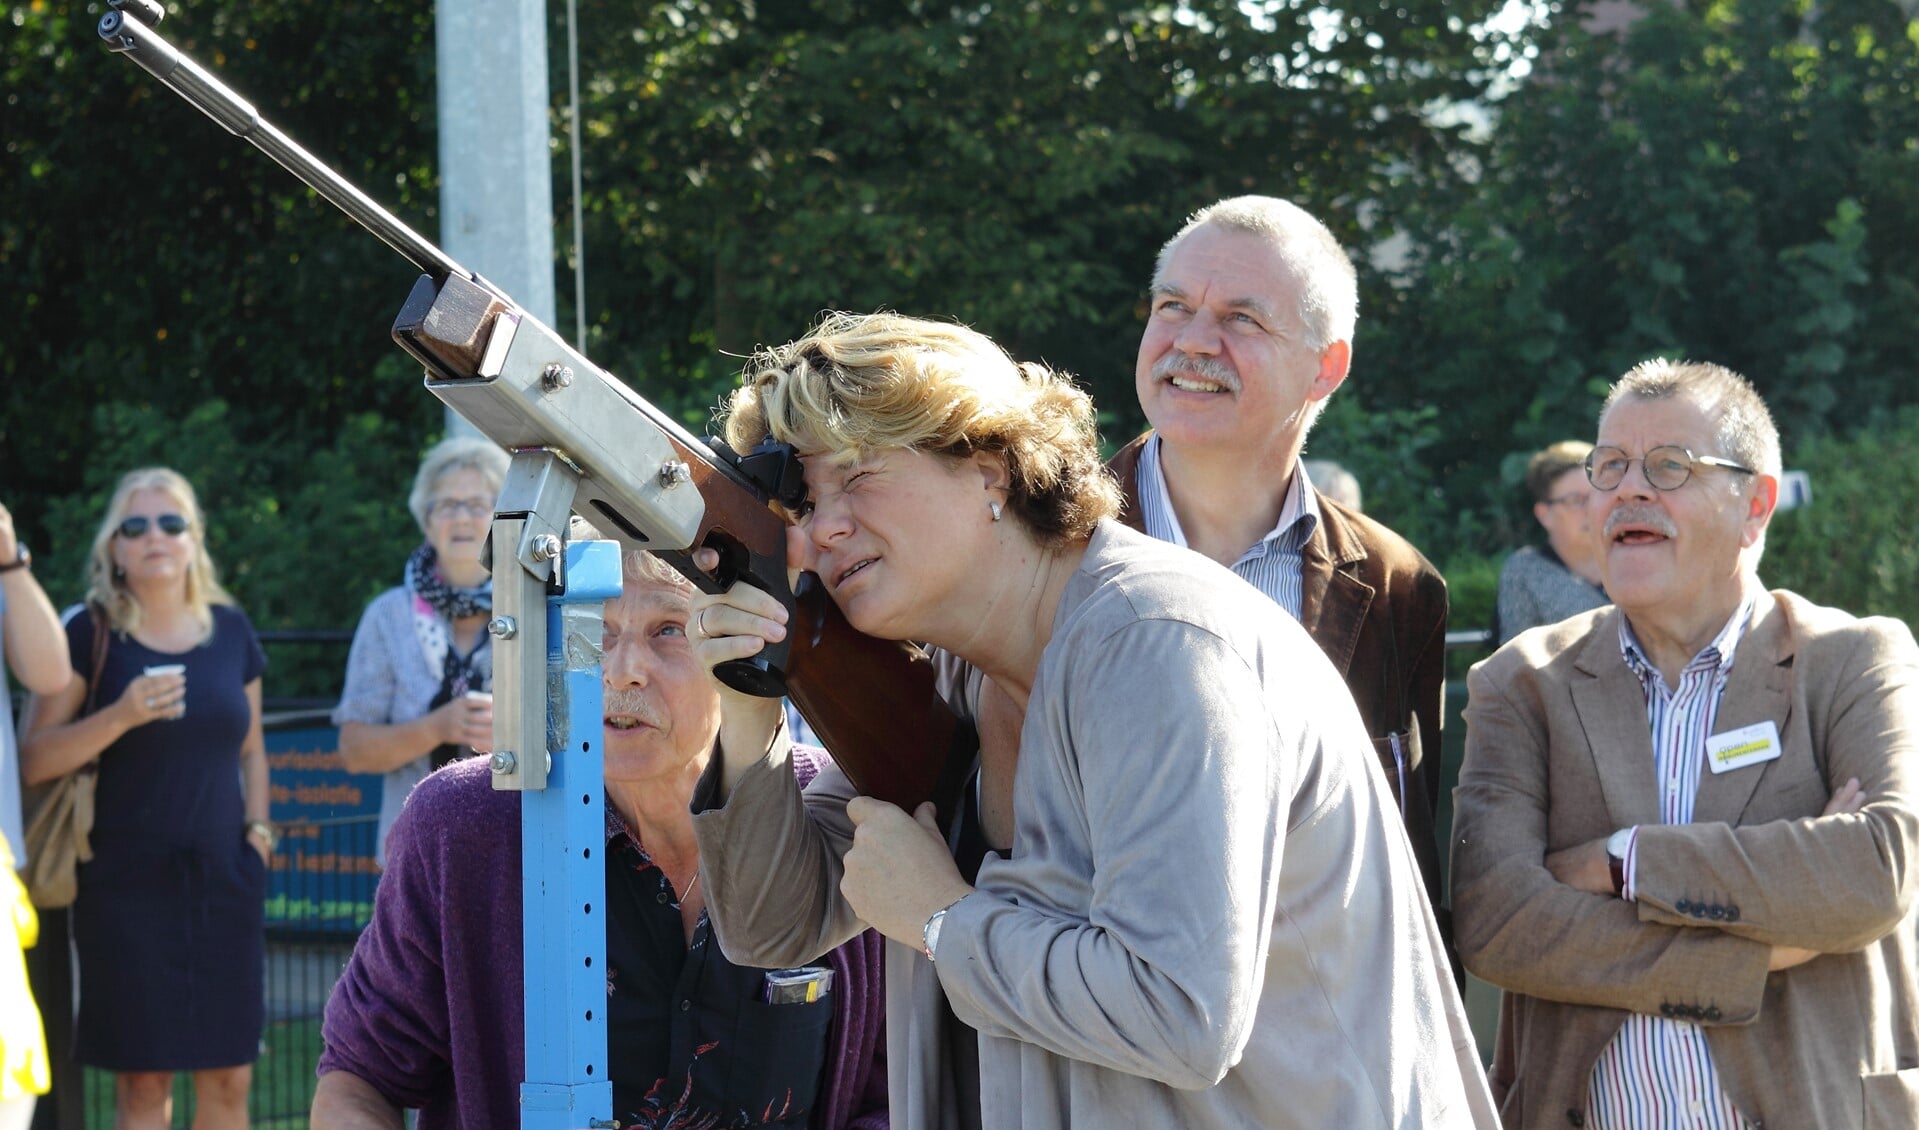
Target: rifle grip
{"points": [[763, 675]]}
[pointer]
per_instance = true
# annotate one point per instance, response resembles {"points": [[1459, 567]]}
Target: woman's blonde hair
{"points": [[858, 383], [108, 589]]}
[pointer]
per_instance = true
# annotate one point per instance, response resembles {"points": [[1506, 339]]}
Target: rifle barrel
{"points": [[218, 101]]}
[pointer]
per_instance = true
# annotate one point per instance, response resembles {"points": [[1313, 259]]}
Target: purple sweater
{"points": [[429, 1010]]}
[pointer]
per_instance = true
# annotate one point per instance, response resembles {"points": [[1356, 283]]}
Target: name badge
{"points": [[1748, 745]]}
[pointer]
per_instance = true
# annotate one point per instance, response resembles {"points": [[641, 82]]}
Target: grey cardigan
{"points": [[1211, 916]]}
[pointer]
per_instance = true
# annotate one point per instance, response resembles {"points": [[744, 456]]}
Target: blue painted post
{"points": [[563, 833]]}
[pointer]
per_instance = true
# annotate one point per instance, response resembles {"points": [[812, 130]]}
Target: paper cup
{"points": [[170, 669]]}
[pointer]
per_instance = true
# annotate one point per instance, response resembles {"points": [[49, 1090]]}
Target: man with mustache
{"points": [[1686, 825], [429, 1012], [1250, 330]]}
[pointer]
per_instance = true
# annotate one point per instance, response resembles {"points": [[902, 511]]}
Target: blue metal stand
{"points": [[563, 833]]}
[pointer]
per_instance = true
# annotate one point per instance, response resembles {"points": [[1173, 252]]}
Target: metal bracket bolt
{"points": [[673, 472], [556, 376], [503, 627], [503, 762], [546, 547]]}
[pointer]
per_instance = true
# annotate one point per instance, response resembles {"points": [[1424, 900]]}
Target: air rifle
{"points": [[583, 441]]}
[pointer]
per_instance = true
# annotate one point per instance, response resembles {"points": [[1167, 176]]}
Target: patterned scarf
{"points": [[436, 604], [424, 579]]}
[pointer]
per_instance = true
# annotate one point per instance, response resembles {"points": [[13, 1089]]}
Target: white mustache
{"points": [[1185, 364], [1648, 516], [628, 701]]}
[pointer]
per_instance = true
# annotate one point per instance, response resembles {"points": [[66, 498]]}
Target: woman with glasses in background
{"points": [[169, 922], [419, 679], [1544, 584]]}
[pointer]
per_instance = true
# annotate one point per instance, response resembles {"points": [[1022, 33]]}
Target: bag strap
{"points": [[101, 632]]}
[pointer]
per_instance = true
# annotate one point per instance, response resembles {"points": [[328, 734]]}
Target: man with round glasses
{"points": [[1686, 824], [1667, 467]]}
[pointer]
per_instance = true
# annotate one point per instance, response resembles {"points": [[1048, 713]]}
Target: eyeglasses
{"points": [[453, 507], [135, 525], [1667, 468]]}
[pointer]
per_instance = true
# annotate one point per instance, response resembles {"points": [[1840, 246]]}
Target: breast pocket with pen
{"points": [[779, 1043]]}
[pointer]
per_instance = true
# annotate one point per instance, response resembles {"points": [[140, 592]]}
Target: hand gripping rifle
{"points": [[583, 441]]}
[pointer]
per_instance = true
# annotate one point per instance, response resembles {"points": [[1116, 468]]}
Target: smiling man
{"points": [[1250, 330], [429, 1013], [1686, 826]]}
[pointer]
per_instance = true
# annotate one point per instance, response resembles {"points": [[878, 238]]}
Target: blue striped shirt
{"points": [[1274, 565], [1658, 1074]]}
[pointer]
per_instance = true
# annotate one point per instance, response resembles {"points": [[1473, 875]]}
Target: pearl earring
{"points": [[995, 508]]}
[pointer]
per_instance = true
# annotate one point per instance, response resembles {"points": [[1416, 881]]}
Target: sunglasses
{"points": [[135, 525]]}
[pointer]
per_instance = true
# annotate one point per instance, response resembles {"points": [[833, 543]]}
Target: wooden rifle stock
{"points": [[643, 478]]}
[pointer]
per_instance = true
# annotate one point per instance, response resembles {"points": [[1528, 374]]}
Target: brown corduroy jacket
{"points": [[1377, 608]]}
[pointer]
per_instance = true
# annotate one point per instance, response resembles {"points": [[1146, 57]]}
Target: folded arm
{"points": [[53, 742], [1521, 928], [1833, 883]]}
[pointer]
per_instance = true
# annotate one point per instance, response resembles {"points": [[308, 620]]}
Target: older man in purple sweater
{"points": [[428, 1014]]}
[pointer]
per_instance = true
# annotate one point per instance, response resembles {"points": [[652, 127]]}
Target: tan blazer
{"points": [[1559, 752]]}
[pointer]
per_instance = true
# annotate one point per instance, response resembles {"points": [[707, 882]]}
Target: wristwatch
{"points": [[265, 831], [930, 933], [1616, 845], [21, 560]]}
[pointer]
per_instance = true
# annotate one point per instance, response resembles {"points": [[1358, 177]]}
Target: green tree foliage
{"points": [[1855, 547], [295, 556], [1735, 182], [174, 298], [1013, 165]]}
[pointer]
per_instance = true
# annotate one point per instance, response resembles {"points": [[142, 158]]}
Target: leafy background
{"points": [[1731, 181]]}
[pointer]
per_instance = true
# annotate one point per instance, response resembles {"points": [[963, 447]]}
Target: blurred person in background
{"points": [[1545, 584], [419, 678], [1333, 481], [34, 650], [32, 647], [169, 922], [24, 1071]]}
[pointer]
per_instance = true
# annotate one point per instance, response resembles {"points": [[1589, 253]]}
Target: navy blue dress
{"points": [[169, 922]]}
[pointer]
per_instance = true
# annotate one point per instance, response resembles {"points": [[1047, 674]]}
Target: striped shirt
{"points": [[1274, 565], [1658, 1074]]}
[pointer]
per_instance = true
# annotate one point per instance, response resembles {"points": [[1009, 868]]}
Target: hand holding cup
{"points": [[157, 694], [467, 720]]}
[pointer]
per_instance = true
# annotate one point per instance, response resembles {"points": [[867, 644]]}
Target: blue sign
{"points": [[324, 872]]}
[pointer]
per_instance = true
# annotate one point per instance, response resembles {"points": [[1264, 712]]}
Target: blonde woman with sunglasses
{"points": [[169, 921]]}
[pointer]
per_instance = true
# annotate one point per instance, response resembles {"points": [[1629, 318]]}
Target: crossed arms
{"points": [[1811, 867]]}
